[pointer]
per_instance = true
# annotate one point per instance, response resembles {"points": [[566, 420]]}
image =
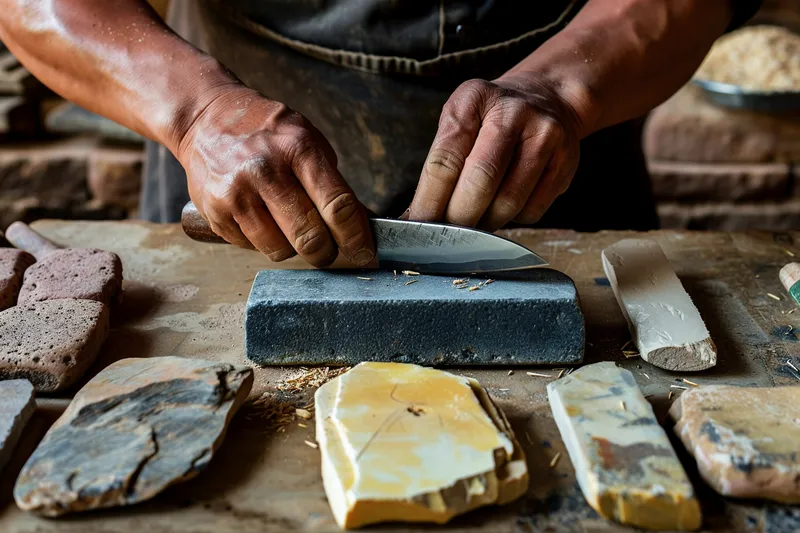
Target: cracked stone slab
{"points": [[136, 428], [665, 324], [746, 440], [16, 408], [51, 343], [402, 442], [623, 459], [13, 264], [81, 273]]}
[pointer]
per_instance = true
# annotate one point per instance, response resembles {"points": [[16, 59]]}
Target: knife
{"points": [[424, 247]]}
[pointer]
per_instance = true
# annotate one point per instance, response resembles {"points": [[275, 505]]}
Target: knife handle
{"points": [[196, 227]]}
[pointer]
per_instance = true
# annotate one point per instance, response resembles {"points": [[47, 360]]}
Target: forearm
{"points": [[116, 58], [619, 58]]}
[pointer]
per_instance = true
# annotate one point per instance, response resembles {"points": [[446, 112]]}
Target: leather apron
{"points": [[373, 76]]}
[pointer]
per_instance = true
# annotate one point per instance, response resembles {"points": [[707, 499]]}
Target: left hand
{"points": [[504, 151]]}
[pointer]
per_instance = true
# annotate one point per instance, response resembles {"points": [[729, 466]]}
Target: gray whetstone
{"points": [[332, 317]]}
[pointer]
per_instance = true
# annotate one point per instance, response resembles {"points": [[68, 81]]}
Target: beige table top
{"points": [[188, 299]]}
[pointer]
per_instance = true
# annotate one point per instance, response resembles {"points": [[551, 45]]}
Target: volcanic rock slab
{"points": [[51, 343], [623, 459], [16, 407], [322, 317], [81, 273], [665, 325], [12, 267], [746, 440], [136, 428], [402, 442]]}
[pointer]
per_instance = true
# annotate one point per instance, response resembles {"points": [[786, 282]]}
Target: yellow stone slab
{"points": [[407, 443], [623, 459], [746, 440]]}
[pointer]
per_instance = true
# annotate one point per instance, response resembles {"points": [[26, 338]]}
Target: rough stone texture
{"points": [[82, 273], [623, 459], [136, 428], [731, 217], [688, 128], [406, 443], [746, 440], [12, 267], [333, 317], [51, 343], [16, 407], [705, 182], [664, 323]]}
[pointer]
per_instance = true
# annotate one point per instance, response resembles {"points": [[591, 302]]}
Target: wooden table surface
{"points": [[188, 299]]}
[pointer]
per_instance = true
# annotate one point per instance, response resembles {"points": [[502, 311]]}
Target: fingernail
{"points": [[362, 258]]}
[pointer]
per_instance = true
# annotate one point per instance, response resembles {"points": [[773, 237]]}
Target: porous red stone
{"points": [[13, 263]]}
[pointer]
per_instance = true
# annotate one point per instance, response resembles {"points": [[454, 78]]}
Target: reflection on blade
{"points": [[445, 249]]}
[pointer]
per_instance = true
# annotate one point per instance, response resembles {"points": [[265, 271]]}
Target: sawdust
{"points": [[307, 378], [276, 413]]}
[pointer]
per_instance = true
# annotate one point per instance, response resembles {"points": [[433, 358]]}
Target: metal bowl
{"points": [[730, 95]]}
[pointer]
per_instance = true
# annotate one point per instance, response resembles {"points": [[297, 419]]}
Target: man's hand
{"points": [[504, 151], [265, 178]]}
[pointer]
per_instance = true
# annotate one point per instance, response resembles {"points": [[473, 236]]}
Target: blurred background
{"points": [[712, 167]]}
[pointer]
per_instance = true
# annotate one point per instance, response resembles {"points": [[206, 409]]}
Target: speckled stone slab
{"points": [[136, 428], [16, 407], [13, 264], [623, 459], [746, 440], [343, 318], [51, 343], [407, 443], [82, 273]]}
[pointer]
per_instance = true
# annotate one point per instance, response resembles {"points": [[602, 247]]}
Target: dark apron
{"points": [[379, 106]]}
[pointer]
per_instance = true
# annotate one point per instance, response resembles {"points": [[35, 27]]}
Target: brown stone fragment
{"points": [[12, 267], [16, 408], [82, 273], [746, 440], [138, 427], [51, 343]]}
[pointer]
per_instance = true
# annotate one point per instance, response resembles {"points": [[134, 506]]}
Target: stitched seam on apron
{"points": [[387, 64]]}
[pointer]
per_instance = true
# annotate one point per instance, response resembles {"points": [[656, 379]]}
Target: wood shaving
{"points": [[475, 288], [308, 378], [303, 413], [678, 387], [410, 273], [510, 372], [300, 424], [488, 282], [554, 460], [410, 282], [622, 405], [692, 383], [365, 279], [274, 414], [789, 252], [773, 296], [311, 444], [671, 393], [459, 281], [539, 375]]}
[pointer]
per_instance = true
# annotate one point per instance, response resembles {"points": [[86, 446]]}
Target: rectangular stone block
{"points": [[623, 459], [342, 318]]}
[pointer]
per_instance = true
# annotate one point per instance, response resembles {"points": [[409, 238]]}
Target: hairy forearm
{"points": [[116, 58], [619, 58]]}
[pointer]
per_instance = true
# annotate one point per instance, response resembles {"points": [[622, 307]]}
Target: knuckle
{"points": [[281, 255], [342, 209], [311, 241], [444, 165], [482, 178], [509, 203]]}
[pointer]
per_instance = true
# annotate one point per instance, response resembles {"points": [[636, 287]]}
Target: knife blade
{"points": [[424, 247]]}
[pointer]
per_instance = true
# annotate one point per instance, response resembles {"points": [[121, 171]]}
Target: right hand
{"points": [[264, 177]]}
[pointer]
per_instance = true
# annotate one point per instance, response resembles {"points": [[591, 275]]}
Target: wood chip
{"points": [[303, 413], [311, 444], [302, 425], [365, 279], [554, 460], [474, 288], [410, 282], [410, 273], [792, 311], [671, 393], [645, 375], [773, 296], [488, 281], [630, 354], [678, 387], [539, 375], [459, 281], [510, 372], [688, 382], [789, 252], [561, 373]]}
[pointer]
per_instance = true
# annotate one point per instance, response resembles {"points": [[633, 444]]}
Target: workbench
{"points": [[188, 299]]}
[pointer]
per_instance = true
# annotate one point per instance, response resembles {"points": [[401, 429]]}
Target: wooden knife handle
{"points": [[23, 237], [196, 227]]}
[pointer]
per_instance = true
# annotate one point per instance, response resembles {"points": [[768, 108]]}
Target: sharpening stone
{"points": [[318, 317]]}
